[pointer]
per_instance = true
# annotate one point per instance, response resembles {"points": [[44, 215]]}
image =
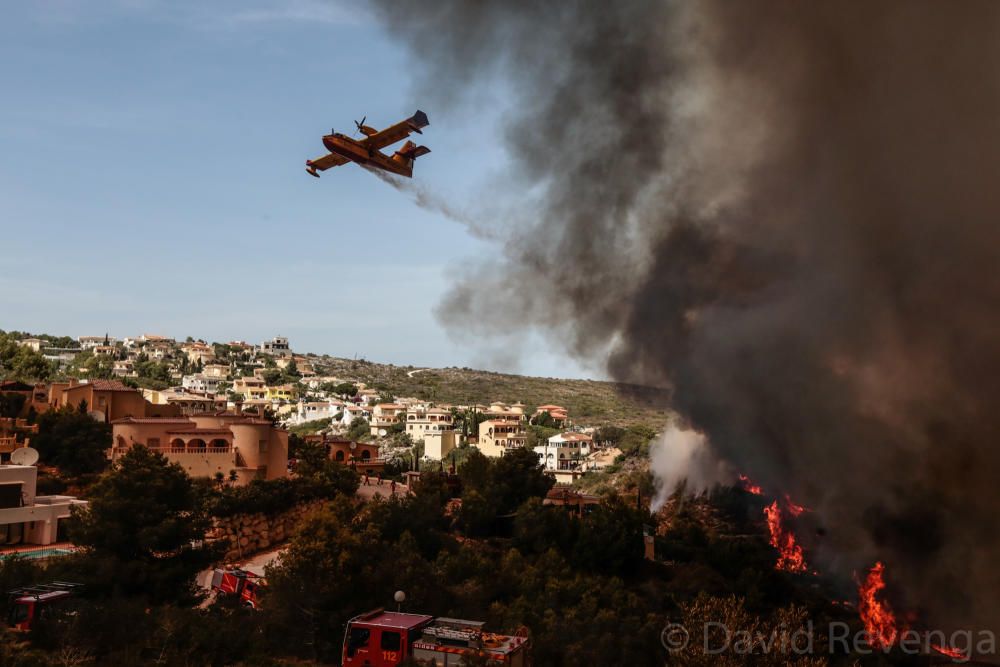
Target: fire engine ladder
{"points": [[470, 635], [42, 589]]}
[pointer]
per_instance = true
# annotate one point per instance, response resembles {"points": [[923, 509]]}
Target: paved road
{"points": [[419, 370], [384, 491]]}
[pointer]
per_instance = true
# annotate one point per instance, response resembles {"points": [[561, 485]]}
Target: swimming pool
{"points": [[38, 553]]}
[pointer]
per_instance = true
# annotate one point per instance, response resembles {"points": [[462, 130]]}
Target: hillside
{"points": [[590, 401]]}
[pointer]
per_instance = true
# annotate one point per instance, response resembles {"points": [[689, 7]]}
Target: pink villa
{"points": [[208, 444]]}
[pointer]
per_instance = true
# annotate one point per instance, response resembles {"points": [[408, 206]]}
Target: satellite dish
{"points": [[354, 445], [382, 432], [25, 456]]}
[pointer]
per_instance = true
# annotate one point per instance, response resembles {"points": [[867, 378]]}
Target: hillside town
{"points": [[226, 410]]}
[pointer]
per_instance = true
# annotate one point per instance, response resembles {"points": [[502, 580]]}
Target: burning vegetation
{"points": [[790, 556], [876, 614]]}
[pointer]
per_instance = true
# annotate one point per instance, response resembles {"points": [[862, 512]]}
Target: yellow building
{"points": [[498, 436], [280, 392]]}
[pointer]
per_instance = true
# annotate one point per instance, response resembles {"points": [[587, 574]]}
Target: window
{"points": [[390, 641], [340, 455], [153, 443], [19, 614], [358, 639]]}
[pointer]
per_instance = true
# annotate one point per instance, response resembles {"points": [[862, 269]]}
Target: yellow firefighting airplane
{"points": [[366, 152]]}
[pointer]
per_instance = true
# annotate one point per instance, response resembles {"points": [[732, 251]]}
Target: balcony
{"points": [[9, 444]]}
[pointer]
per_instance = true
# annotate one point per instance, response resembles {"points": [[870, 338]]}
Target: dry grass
{"points": [[589, 402]]}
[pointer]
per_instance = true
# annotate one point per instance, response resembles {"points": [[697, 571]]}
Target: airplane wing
{"points": [[323, 163], [397, 132]]}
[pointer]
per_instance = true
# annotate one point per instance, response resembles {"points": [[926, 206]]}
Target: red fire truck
{"points": [[244, 585], [31, 603], [382, 638]]}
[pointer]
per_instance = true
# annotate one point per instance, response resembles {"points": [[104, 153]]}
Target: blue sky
{"points": [[151, 180]]}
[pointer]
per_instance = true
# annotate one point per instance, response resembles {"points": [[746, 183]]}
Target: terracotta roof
{"points": [[14, 385], [152, 420], [574, 437], [189, 431], [103, 385]]}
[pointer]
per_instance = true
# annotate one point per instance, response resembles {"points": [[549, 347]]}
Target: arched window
{"points": [[121, 442], [219, 443], [196, 443], [340, 455], [177, 443], [365, 455]]}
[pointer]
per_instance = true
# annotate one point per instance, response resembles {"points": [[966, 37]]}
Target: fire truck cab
{"points": [[384, 639], [29, 604]]}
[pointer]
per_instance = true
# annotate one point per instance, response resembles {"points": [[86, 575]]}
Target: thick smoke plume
{"points": [[788, 213]]}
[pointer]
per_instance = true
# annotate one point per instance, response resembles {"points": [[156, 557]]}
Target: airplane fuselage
{"points": [[357, 152]]}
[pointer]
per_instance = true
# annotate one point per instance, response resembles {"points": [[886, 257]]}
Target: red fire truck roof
{"points": [[43, 597], [392, 619]]}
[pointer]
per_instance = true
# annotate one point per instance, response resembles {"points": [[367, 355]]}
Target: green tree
{"points": [[139, 529], [544, 419], [21, 363], [324, 577], [344, 389], [72, 441], [11, 404], [360, 429]]}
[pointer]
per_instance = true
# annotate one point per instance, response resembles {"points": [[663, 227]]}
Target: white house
{"points": [[308, 411], [565, 451], [276, 347], [90, 342], [202, 383], [26, 518], [352, 412]]}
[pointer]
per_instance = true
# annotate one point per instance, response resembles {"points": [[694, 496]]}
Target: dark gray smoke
{"points": [[787, 212]]}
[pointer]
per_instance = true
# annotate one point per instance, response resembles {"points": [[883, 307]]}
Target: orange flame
{"points": [[955, 653], [790, 556], [750, 487], [793, 509], [877, 615]]}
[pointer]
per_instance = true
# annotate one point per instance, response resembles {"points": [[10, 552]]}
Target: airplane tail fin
{"points": [[411, 151], [408, 153]]}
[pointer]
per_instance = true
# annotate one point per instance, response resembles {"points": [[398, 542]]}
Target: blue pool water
{"points": [[40, 553]]}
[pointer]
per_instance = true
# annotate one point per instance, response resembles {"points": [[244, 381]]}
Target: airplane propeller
{"points": [[361, 122]]}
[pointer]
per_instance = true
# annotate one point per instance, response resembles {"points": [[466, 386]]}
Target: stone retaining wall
{"points": [[247, 534]]}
